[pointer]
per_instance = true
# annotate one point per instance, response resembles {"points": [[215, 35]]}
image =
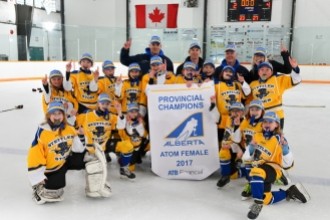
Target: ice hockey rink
{"points": [[151, 197]]}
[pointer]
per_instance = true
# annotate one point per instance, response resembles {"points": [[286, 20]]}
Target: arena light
{"points": [[49, 26]]}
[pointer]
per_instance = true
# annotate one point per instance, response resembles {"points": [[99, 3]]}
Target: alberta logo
{"points": [[187, 132]]}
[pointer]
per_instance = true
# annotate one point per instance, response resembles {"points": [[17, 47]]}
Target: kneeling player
{"points": [[56, 149], [266, 153], [98, 125]]}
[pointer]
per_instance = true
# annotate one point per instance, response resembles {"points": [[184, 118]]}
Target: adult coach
{"points": [[143, 59], [194, 56], [231, 60]]}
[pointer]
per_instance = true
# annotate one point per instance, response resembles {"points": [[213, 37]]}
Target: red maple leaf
{"points": [[156, 16]]}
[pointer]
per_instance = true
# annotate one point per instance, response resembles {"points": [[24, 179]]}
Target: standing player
{"points": [[227, 92], [270, 88], [54, 91], [98, 125], [109, 83], [83, 82], [260, 56], [157, 75], [132, 87]]}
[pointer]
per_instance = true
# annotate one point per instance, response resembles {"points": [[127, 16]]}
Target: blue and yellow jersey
{"points": [[225, 96], [108, 85], [271, 150], [230, 129], [81, 88], [133, 133], [271, 91], [49, 150], [248, 131], [130, 93], [166, 78], [97, 128], [181, 80], [59, 95]]}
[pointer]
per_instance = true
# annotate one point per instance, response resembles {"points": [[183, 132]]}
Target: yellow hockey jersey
{"points": [[58, 95], [130, 93], [49, 151], [271, 91], [271, 150], [225, 96], [168, 78], [247, 131], [81, 83], [134, 133], [98, 128], [181, 80], [108, 85]]}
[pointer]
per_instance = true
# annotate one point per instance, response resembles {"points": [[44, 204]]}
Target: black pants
{"points": [[270, 177], [56, 179]]}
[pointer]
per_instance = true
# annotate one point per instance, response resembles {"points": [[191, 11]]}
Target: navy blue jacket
{"points": [[143, 59]]}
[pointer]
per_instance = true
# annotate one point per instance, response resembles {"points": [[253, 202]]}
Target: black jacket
{"points": [[237, 66], [277, 68], [143, 59], [179, 69]]}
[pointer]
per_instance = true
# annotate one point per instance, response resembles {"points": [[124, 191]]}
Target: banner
{"points": [[156, 16], [183, 133]]}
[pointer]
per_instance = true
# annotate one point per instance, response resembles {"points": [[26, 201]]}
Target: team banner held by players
{"points": [[183, 136], [156, 16]]}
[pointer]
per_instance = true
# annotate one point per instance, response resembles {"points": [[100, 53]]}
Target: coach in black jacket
{"points": [[194, 56], [143, 59]]}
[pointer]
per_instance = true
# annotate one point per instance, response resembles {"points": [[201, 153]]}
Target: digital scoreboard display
{"points": [[249, 10]]}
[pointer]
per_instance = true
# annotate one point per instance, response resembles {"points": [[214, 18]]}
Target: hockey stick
{"points": [[305, 106], [12, 109]]}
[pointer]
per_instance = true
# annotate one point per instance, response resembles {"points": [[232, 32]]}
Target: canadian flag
{"points": [[156, 16]]}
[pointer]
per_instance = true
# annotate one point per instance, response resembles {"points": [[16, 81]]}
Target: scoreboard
{"points": [[249, 10]]}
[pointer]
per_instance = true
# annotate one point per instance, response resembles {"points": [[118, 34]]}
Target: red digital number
{"points": [[234, 5], [268, 4], [255, 18], [242, 17]]}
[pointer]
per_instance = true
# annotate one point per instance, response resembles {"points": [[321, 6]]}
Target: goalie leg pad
{"points": [[96, 176], [93, 167]]}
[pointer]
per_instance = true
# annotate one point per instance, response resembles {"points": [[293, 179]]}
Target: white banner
{"points": [[183, 134]]}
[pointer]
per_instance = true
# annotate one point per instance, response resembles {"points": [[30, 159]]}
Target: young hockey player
{"points": [[157, 75], [270, 88], [230, 151], [260, 56], [265, 152], [135, 133], [208, 71], [55, 150], [132, 87], [54, 91], [244, 135], [98, 125], [189, 74], [83, 83], [109, 83], [227, 92]]}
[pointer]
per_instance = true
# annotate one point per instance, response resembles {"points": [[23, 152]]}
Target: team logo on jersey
{"points": [[187, 132], [262, 92], [231, 99], [62, 151]]}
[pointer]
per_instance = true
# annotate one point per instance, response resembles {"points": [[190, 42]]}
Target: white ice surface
{"points": [[151, 197]]}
